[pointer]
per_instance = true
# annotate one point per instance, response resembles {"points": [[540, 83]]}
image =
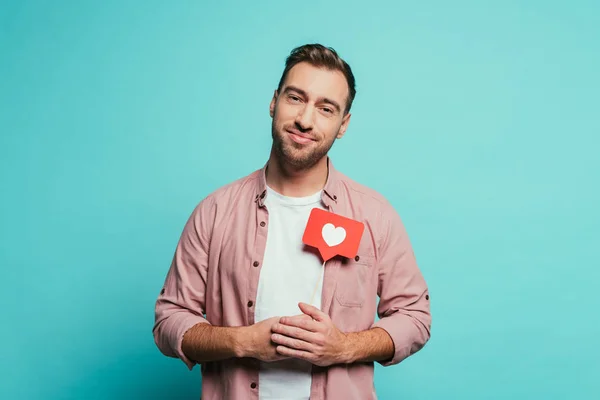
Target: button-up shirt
{"points": [[214, 276]]}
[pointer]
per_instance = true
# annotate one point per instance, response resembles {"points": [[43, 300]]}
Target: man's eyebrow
{"points": [[333, 103], [304, 94], [295, 89]]}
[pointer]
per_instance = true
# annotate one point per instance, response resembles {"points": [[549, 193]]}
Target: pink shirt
{"points": [[214, 278]]}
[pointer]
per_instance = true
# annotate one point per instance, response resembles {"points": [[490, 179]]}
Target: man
{"points": [[256, 307]]}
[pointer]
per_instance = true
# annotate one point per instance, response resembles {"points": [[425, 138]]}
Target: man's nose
{"points": [[304, 119]]}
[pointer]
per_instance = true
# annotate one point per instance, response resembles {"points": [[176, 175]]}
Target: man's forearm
{"points": [[204, 342], [369, 346]]}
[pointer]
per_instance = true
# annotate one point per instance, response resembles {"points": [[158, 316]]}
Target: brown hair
{"points": [[321, 57]]}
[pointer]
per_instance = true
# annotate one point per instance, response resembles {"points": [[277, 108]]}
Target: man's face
{"points": [[308, 114]]}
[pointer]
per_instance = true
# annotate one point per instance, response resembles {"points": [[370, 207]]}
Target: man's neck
{"points": [[296, 183]]}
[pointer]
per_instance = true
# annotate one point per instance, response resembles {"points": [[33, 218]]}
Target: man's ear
{"points": [[344, 126], [272, 105]]}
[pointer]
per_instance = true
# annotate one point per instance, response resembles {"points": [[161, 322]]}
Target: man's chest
{"points": [[248, 245], [291, 272]]}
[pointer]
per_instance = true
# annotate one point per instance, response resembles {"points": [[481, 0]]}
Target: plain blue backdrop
{"points": [[479, 121]]}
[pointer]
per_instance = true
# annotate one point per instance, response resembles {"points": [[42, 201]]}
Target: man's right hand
{"points": [[256, 341]]}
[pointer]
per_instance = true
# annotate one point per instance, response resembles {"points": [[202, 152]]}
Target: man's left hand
{"points": [[311, 336]]}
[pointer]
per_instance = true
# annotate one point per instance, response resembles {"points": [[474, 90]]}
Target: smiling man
{"points": [[258, 309]]}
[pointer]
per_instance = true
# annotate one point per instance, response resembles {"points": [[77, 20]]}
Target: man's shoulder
{"points": [[372, 205], [362, 191], [246, 185]]}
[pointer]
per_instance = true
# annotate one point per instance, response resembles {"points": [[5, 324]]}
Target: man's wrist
{"points": [[349, 355], [240, 339]]}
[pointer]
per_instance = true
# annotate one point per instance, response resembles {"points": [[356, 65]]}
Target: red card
{"points": [[332, 234]]}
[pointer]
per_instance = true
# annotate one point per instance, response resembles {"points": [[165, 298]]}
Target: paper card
{"points": [[332, 234]]}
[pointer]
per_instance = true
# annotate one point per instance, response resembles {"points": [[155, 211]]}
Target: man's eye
{"points": [[328, 110], [294, 98]]}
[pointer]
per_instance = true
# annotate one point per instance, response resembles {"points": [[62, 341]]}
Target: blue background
{"points": [[478, 120]]}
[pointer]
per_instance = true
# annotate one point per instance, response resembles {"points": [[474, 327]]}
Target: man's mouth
{"points": [[300, 137]]}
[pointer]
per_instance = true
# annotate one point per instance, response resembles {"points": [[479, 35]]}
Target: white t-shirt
{"points": [[288, 276]]}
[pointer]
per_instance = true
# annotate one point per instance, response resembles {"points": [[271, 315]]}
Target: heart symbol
{"points": [[332, 235]]}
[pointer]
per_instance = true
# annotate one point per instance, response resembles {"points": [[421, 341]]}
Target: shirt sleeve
{"points": [[403, 309], [181, 303]]}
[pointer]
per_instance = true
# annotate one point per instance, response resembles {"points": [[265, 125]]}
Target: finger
{"points": [[300, 354], [293, 332], [291, 342], [301, 321], [314, 312], [299, 316]]}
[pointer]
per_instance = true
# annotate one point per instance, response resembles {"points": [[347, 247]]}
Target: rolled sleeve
{"points": [[181, 303], [408, 336], [404, 308], [170, 339]]}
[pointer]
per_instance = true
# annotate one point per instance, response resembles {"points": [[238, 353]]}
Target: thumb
{"points": [[311, 311]]}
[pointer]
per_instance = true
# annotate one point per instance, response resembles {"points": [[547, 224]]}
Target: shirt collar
{"points": [[328, 197]]}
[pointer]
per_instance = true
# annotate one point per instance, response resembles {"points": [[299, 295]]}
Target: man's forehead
{"points": [[318, 82]]}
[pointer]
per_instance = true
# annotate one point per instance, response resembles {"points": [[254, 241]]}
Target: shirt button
{"points": [[250, 303], [262, 223], [255, 263], [253, 385], [356, 258], [334, 197], [426, 297]]}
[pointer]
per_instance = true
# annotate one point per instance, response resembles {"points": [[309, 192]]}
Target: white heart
{"points": [[332, 235]]}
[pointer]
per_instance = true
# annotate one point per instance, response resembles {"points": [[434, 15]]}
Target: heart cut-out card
{"points": [[332, 234]]}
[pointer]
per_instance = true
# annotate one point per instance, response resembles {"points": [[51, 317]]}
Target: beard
{"points": [[299, 157]]}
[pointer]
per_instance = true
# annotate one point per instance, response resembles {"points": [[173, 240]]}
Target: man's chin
{"points": [[297, 157], [299, 162]]}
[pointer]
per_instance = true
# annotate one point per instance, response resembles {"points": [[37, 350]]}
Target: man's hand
{"points": [[311, 336], [256, 342]]}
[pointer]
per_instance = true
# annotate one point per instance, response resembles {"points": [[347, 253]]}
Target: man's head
{"points": [[311, 106]]}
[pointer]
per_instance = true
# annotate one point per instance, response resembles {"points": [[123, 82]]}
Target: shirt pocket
{"points": [[352, 280]]}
